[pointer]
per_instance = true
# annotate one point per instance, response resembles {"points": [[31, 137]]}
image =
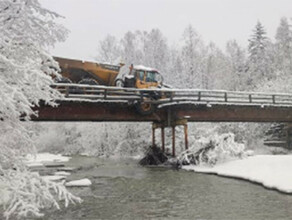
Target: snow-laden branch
{"points": [[27, 31], [27, 193], [216, 149]]}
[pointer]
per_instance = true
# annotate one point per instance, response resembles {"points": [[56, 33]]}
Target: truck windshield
{"points": [[151, 76]]}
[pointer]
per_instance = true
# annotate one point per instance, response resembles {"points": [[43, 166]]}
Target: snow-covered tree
{"points": [[192, 56], [259, 54], [26, 32], [237, 63], [284, 47], [147, 48], [109, 50], [155, 49], [283, 61], [217, 72], [214, 150], [131, 52], [174, 68]]}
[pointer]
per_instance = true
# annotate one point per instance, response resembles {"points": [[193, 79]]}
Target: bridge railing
{"points": [[165, 95]]}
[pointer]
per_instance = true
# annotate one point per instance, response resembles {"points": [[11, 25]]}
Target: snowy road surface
{"points": [[272, 171]]}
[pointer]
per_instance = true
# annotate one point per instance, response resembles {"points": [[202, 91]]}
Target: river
{"points": [[121, 189]]}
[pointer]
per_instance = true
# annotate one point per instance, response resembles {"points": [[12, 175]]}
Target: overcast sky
{"points": [[215, 20]]}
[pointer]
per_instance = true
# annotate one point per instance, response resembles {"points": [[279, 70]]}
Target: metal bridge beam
{"points": [[234, 113], [103, 111], [93, 111]]}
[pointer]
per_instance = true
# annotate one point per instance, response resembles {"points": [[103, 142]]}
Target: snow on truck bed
{"points": [[272, 171]]}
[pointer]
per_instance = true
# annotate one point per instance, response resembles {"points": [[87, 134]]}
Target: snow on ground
{"points": [[54, 178], [66, 169], [34, 164], [82, 182], [272, 171], [62, 173], [41, 158]]}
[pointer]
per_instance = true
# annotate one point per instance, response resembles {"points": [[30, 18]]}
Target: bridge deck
{"points": [[100, 111], [100, 103]]}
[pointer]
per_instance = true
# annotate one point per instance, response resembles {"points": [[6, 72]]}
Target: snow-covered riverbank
{"points": [[41, 159], [54, 161], [272, 171]]}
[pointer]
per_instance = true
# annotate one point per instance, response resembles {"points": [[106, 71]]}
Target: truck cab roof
{"points": [[144, 68]]}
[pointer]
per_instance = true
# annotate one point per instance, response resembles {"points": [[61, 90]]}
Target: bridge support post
{"points": [[162, 139], [289, 136], [173, 124], [153, 136], [173, 141], [186, 136]]}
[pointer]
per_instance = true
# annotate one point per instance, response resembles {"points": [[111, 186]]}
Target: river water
{"points": [[123, 190]]}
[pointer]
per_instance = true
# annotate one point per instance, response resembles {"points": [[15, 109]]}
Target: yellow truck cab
{"points": [[142, 77]]}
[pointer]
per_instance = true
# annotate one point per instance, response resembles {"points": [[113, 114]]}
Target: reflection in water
{"points": [[123, 190]]}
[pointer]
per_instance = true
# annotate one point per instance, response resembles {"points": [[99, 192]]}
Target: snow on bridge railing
{"points": [[166, 95]]}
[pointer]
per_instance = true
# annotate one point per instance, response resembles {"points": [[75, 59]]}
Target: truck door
{"points": [[146, 79], [140, 79]]}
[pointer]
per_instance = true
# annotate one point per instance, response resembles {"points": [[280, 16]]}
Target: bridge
{"points": [[165, 107]]}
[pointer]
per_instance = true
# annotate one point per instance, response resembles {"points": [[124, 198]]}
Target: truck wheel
{"points": [[145, 108], [63, 80], [119, 83], [87, 81], [63, 89]]}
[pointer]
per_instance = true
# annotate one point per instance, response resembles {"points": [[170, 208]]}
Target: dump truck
{"points": [[84, 72], [92, 73]]}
